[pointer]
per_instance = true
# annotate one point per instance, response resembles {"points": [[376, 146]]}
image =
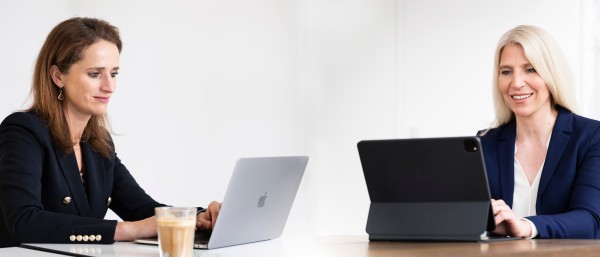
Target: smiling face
{"points": [[90, 82], [523, 90]]}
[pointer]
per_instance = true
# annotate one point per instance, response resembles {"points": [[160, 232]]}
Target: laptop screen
{"points": [[424, 170], [426, 189]]}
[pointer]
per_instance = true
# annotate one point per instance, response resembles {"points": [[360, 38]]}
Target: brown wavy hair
{"points": [[63, 47]]}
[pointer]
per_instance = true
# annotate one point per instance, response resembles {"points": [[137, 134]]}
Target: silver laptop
{"points": [[257, 202]]}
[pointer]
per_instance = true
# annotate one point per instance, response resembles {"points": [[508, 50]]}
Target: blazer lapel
{"points": [[561, 135], [94, 181], [68, 166], [506, 160]]}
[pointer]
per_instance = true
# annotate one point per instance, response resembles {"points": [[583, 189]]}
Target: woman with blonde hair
{"points": [[542, 159]]}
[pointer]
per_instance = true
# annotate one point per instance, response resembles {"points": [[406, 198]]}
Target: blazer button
{"points": [[67, 200], [109, 201]]}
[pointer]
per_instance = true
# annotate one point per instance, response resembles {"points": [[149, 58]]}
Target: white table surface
{"points": [[346, 246], [17, 251], [290, 247]]}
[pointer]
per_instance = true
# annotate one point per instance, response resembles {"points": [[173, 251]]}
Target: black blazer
{"points": [[568, 200], [42, 197]]}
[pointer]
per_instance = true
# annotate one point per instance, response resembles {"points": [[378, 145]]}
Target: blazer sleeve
{"points": [[582, 218], [23, 143], [129, 200]]}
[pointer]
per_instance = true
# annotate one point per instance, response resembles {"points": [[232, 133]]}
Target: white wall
{"points": [[205, 82], [349, 72]]}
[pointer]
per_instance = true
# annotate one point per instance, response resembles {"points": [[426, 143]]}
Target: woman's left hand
{"points": [[507, 223], [206, 220]]}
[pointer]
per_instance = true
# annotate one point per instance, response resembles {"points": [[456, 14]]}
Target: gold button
{"points": [[85, 238], [109, 201], [72, 238], [92, 238], [66, 200], [79, 238], [98, 237]]}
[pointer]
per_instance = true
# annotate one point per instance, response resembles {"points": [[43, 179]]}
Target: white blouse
{"points": [[525, 195]]}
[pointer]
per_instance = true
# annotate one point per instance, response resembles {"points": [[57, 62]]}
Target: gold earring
{"points": [[60, 95]]}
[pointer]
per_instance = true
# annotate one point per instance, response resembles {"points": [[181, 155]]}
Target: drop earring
{"points": [[60, 95]]}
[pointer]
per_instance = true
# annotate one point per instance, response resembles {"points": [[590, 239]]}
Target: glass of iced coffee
{"points": [[176, 227]]}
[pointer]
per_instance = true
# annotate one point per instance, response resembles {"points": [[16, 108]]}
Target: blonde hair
{"points": [[546, 58]]}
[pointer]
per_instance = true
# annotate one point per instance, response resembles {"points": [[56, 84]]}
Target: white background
{"points": [[203, 82]]}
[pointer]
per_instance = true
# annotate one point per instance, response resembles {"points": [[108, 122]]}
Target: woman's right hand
{"points": [[131, 230], [507, 223]]}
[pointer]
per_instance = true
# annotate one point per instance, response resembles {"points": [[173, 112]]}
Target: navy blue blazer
{"points": [[42, 197], [568, 200]]}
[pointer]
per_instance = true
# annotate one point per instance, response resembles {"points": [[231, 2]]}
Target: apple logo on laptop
{"points": [[261, 200]]}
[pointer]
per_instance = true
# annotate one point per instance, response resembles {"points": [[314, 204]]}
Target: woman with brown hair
{"points": [[59, 172]]}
